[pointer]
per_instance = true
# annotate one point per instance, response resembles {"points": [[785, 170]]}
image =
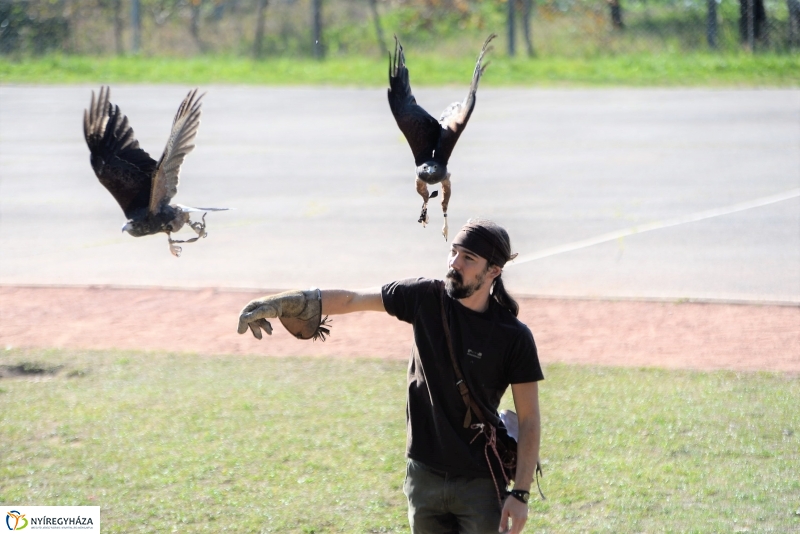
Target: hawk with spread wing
{"points": [[143, 187], [431, 141]]}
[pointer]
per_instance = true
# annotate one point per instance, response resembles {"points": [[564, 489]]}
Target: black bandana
{"points": [[486, 239]]}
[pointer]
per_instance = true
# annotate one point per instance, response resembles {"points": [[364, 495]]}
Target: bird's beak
{"points": [[126, 227]]}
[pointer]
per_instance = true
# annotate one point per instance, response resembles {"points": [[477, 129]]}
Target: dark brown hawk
{"points": [[143, 187], [431, 141]]}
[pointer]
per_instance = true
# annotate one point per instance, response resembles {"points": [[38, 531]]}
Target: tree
{"points": [[616, 14], [194, 25], [752, 22], [526, 7]]}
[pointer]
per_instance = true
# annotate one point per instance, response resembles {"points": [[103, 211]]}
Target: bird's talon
{"points": [[423, 216], [199, 227]]}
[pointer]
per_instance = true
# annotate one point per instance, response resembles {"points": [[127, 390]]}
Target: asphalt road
{"points": [[606, 193]]}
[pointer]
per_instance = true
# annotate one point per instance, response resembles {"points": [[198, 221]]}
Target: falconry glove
{"points": [[300, 312]]}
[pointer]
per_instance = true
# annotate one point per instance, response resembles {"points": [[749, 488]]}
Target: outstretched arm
{"points": [[339, 301], [309, 306]]}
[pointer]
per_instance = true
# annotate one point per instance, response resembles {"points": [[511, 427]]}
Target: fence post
{"points": [[258, 41], [120, 47], [794, 22], [511, 38], [136, 26], [319, 50], [711, 24], [373, 4]]}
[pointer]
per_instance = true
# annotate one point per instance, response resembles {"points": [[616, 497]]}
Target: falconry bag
{"points": [[502, 445]]}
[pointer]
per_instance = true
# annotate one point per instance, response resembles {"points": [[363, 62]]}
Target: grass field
{"points": [[678, 69], [184, 443]]}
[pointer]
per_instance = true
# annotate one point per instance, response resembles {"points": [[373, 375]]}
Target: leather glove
{"points": [[299, 311]]}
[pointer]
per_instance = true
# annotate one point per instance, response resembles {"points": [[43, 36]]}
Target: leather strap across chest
{"points": [[461, 383]]}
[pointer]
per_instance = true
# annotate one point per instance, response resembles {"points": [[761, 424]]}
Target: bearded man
{"points": [[466, 333]]}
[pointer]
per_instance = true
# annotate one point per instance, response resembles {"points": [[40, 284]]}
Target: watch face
{"points": [[522, 496]]}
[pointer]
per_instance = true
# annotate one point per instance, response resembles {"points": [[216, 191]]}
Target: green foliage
{"points": [[426, 69], [169, 442], [453, 28]]}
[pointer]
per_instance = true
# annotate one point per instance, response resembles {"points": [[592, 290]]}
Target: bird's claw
{"points": [[423, 216], [200, 227], [175, 249], [444, 228]]}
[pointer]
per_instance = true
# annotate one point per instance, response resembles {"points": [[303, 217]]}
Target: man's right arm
{"points": [[339, 301]]}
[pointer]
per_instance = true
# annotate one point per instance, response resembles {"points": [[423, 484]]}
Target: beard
{"points": [[456, 288]]}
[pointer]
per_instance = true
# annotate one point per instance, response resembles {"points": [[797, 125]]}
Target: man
{"points": [[454, 481]]}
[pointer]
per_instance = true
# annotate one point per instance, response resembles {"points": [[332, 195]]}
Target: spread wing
{"points": [[184, 130], [121, 166], [420, 129], [454, 119]]}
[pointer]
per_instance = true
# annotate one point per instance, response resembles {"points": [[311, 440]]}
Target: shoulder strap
{"points": [[464, 390], [461, 384]]}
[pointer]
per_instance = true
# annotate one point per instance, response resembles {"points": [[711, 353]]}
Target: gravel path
{"points": [[599, 332]]}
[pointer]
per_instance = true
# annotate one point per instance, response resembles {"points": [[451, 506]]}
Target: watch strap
{"points": [[521, 495]]}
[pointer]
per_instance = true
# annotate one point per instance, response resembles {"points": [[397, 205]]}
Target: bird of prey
{"points": [[431, 141], [143, 187]]}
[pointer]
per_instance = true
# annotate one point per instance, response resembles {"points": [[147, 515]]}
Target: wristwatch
{"points": [[520, 495]]}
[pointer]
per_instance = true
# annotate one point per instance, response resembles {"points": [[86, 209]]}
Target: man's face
{"points": [[466, 272]]}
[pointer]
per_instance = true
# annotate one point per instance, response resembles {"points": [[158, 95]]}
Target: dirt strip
{"points": [[618, 333]]}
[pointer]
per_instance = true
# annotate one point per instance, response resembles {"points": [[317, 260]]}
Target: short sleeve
{"points": [[523, 363], [402, 298]]}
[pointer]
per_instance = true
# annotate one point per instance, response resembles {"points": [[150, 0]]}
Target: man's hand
{"points": [[517, 512], [286, 304]]}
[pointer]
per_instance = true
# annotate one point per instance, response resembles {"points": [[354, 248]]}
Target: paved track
{"points": [[322, 183]]}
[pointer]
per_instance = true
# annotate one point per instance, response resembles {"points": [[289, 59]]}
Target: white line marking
{"points": [[611, 236]]}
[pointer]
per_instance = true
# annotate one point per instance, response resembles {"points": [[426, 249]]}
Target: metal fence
{"points": [[572, 28]]}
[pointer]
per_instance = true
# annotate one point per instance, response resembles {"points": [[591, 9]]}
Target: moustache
{"points": [[454, 275]]}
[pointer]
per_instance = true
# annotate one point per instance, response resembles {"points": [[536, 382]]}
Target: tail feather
{"points": [[191, 209]]}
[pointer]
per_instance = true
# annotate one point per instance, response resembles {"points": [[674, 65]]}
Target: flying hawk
{"points": [[143, 187], [431, 141]]}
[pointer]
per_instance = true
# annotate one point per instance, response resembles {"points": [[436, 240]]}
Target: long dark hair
{"points": [[502, 297]]}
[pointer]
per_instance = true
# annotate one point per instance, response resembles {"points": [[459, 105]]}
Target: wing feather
{"points": [[119, 163], [179, 144], [420, 129], [454, 119]]}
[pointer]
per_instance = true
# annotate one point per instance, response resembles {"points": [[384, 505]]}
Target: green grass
{"points": [[675, 69], [184, 443]]}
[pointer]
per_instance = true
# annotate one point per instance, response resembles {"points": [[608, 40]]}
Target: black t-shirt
{"points": [[494, 350]]}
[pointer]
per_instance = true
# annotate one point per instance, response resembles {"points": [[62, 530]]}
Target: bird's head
{"points": [[135, 228], [432, 172]]}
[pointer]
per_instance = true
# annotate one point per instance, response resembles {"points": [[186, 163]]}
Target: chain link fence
{"points": [[567, 28]]}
